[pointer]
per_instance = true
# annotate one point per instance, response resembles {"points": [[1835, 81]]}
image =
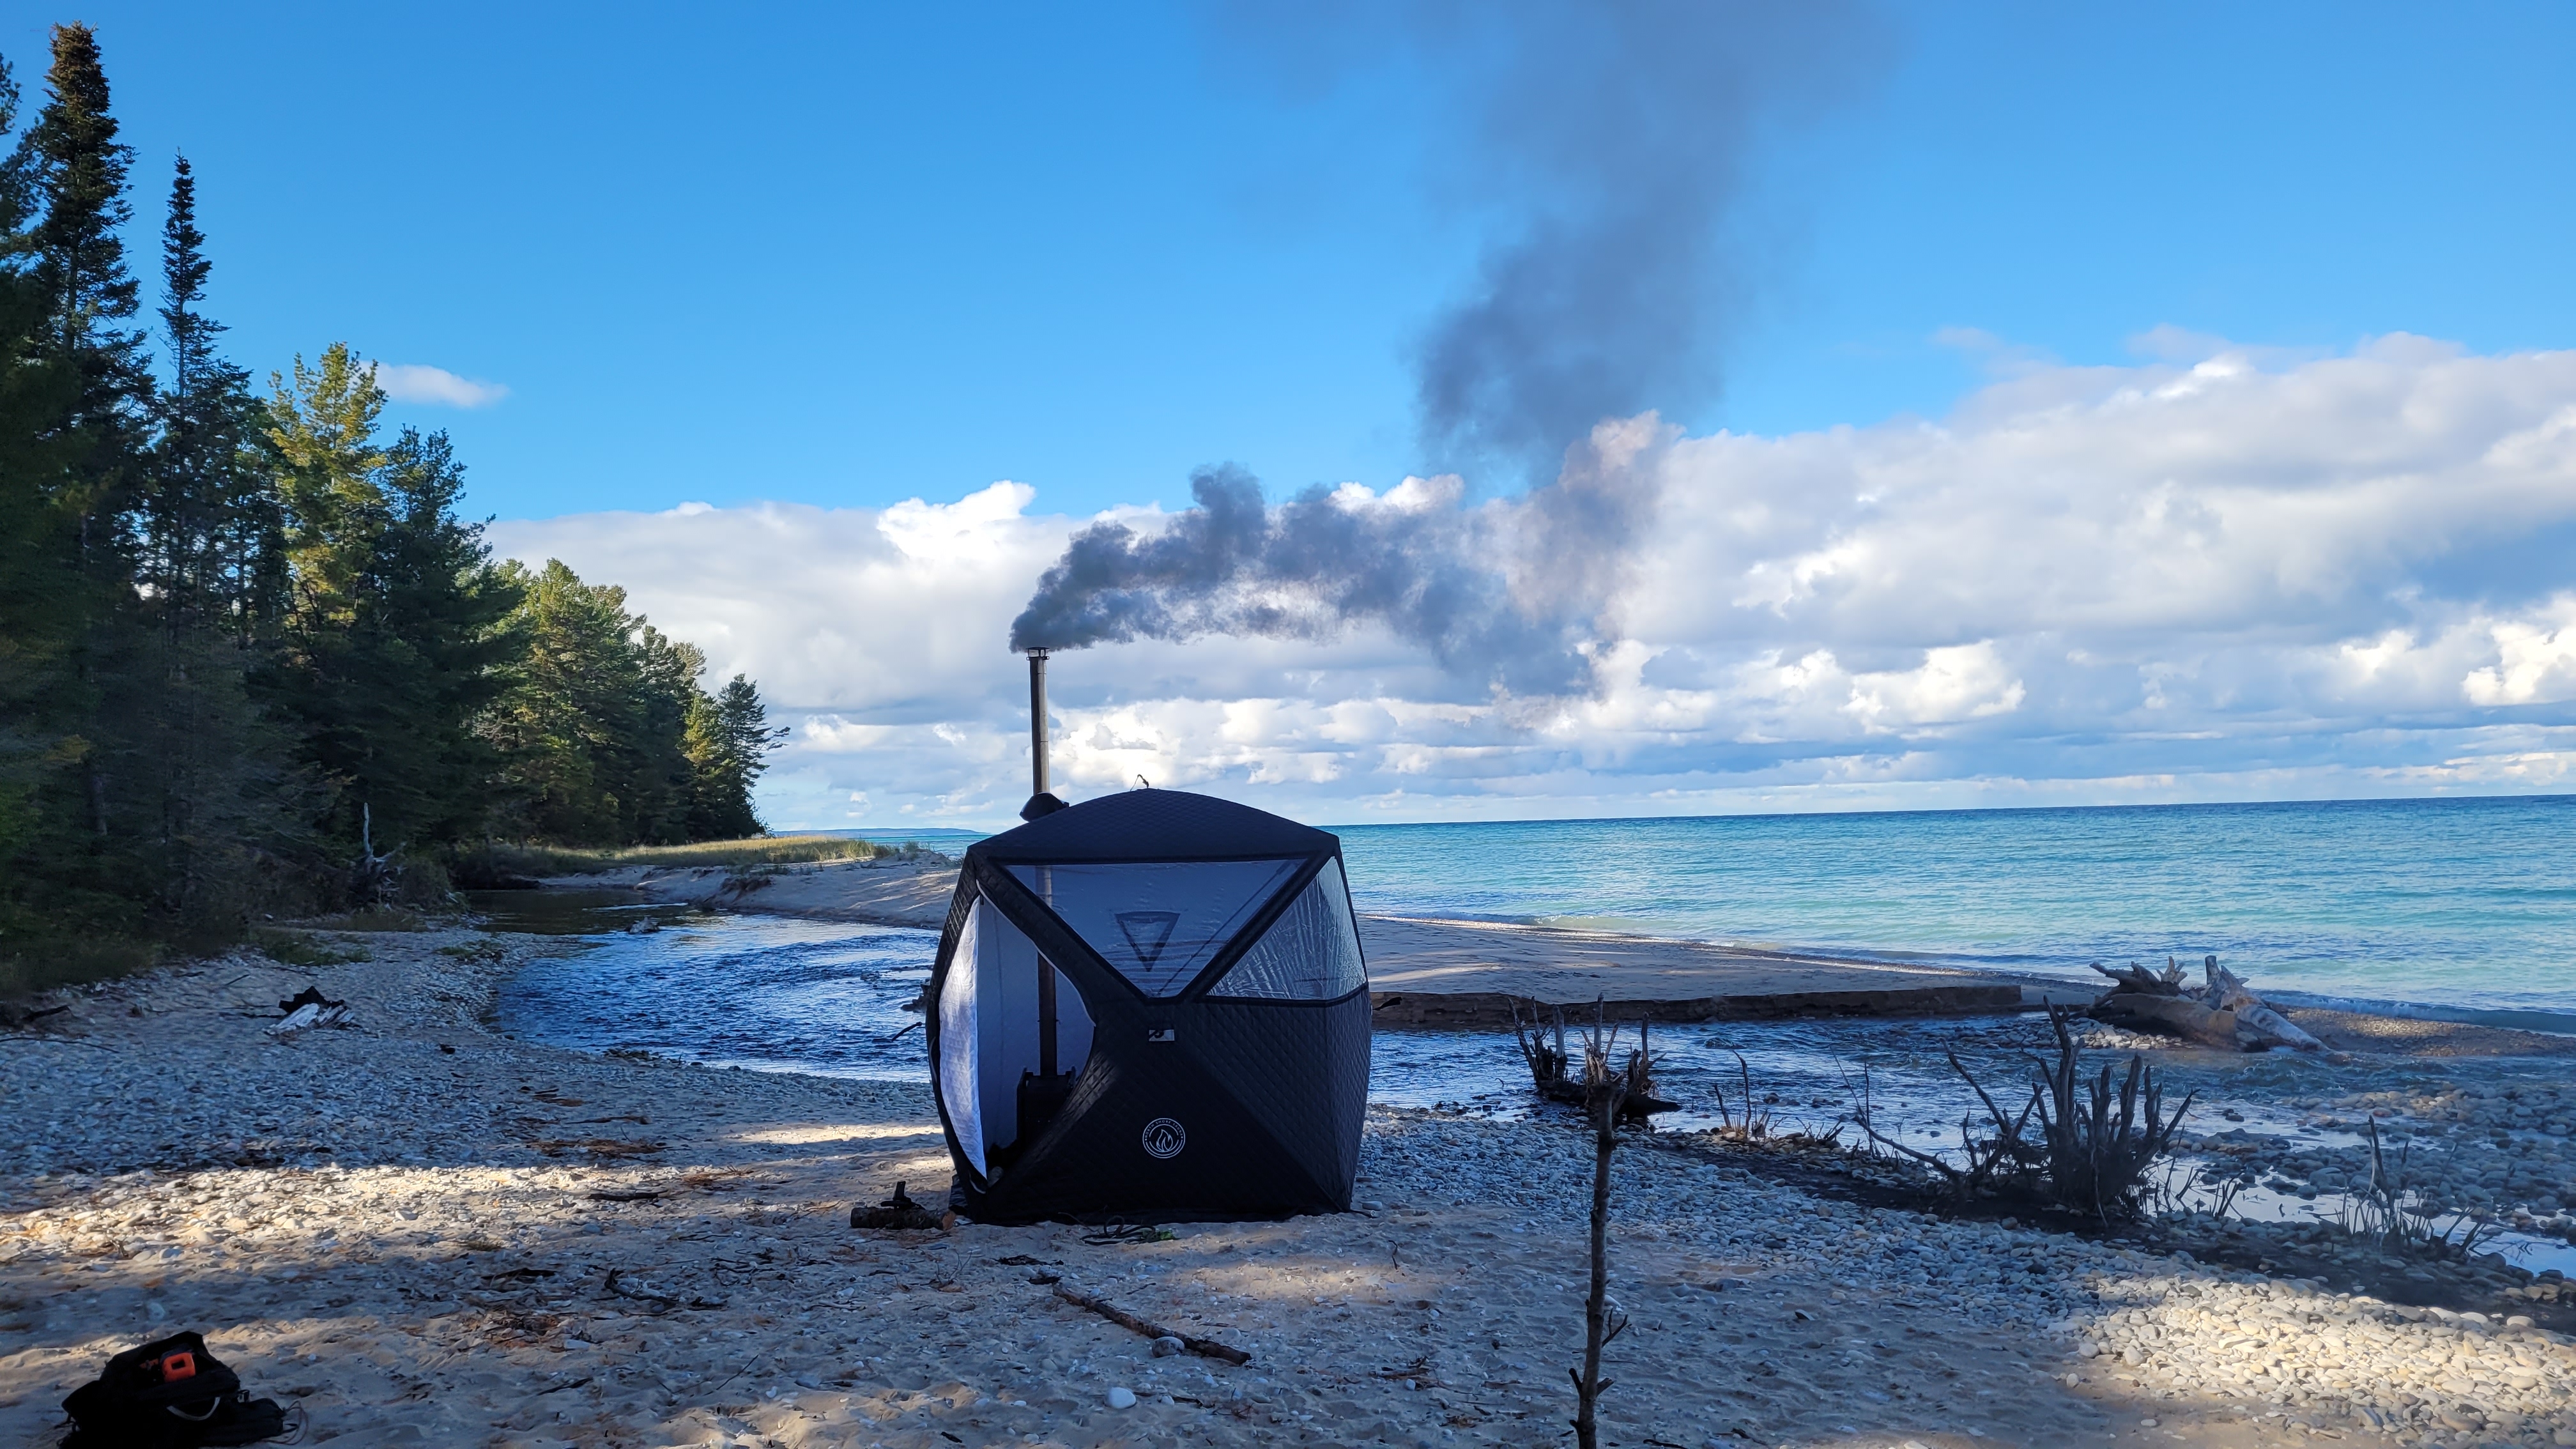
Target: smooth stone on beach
{"points": [[1166, 1346], [1122, 1397]]}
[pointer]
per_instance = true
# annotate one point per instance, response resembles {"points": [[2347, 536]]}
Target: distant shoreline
{"points": [[925, 833]]}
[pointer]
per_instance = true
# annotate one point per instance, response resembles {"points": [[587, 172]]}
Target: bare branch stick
{"points": [[1203, 1347]]}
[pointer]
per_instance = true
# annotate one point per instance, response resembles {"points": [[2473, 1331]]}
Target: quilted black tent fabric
{"points": [[1191, 1105], [1155, 825]]}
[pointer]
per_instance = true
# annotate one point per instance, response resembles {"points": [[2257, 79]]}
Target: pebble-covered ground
{"points": [[421, 1232]]}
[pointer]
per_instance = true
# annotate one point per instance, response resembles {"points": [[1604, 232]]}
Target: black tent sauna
{"points": [[1151, 1004]]}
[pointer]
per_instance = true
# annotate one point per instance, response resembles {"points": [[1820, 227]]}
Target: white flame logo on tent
{"points": [[1164, 1138]]}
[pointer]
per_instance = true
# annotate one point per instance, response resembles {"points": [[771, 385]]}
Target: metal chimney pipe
{"points": [[1051, 1087], [1037, 722]]}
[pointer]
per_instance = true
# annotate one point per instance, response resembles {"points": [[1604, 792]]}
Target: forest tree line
{"points": [[244, 631]]}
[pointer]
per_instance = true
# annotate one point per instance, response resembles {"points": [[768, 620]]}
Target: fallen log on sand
{"points": [[2221, 1013], [2254, 1018], [1204, 1347]]}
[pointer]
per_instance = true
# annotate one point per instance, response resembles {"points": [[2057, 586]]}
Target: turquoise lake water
{"points": [[2465, 905]]}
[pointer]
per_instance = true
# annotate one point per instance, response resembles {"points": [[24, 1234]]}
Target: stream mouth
{"points": [[758, 993], [829, 998]]}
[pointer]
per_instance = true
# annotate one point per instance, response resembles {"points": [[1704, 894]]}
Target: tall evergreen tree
{"points": [[216, 778], [663, 784], [322, 430], [47, 893], [211, 518], [396, 640], [606, 738], [109, 712], [73, 164], [78, 167], [437, 625], [573, 729], [729, 744]]}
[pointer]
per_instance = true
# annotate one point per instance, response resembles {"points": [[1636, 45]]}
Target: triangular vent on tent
{"points": [[1157, 923], [1148, 932]]}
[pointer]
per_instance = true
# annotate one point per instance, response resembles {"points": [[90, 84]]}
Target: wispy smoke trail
{"points": [[1614, 141], [1514, 593], [1617, 142]]}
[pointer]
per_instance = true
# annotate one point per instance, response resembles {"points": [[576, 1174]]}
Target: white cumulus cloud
{"points": [[2219, 573], [416, 382]]}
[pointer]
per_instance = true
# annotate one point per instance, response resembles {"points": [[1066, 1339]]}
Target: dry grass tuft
{"points": [[498, 858]]}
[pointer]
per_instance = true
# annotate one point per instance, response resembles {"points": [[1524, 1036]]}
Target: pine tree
{"points": [[606, 738], [322, 430], [217, 777], [664, 785], [76, 164], [44, 603], [77, 168], [395, 642], [431, 651], [571, 725], [73, 397], [212, 519], [729, 745]]}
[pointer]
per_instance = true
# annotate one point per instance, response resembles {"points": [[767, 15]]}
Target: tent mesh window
{"points": [[1157, 924], [1311, 953], [957, 1042], [988, 1032]]}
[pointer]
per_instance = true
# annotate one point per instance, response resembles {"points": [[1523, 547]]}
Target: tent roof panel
{"points": [[1153, 825]]}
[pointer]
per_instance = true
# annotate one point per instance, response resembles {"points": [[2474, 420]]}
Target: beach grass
{"points": [[544, 860], [372, 918], [306, 948], [72, 961]]}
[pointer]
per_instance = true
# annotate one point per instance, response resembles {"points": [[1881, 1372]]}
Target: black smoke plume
{"points": [[1613, 141], [1513, 593], [1614, 144]]}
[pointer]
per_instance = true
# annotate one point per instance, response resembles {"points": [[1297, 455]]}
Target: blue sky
{"points": [[850, 255], [2119, 404]]}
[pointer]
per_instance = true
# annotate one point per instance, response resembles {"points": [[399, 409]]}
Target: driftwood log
{"points": [[2222, 1012], [309, 1008], [373, 879], [1548, 1064], [1203, 1347]]}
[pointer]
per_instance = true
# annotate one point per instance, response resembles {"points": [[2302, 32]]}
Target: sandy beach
{"points": [[422, 1232]]}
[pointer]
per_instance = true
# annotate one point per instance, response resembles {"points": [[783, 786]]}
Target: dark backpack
{"points": [[168, 1394]]}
